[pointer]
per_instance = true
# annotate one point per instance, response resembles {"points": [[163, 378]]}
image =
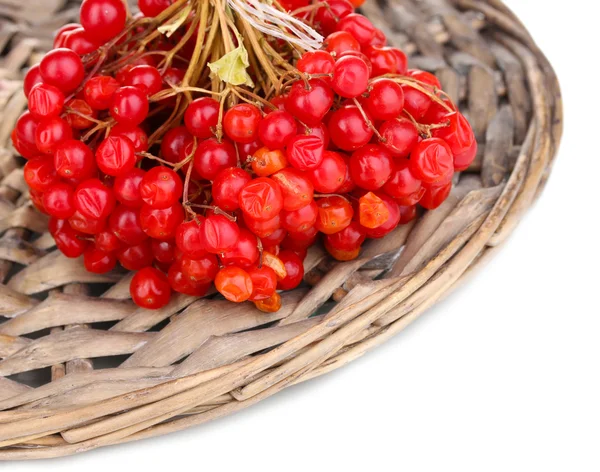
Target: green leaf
{"points": [[231, 68]]}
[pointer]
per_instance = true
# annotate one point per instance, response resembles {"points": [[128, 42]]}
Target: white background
{"points": [[504, 375]]}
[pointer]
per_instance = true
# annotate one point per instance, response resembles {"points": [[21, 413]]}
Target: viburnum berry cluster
{"points": [[212, 143]]}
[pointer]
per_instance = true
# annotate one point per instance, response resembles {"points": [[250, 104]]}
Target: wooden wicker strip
{"points": [[80, 371]]}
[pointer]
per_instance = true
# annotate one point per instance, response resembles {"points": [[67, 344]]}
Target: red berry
{"points": [[99, 92], [359, 26], [161, 187], [244, 253], [58, 200], [39, 173], [116, 156], [152, 8], [379, 38], [400, 136], [386, 99], [74, 160], [107, 242], [219, 234], [386, 60], [234, 284], [432, 161], [127, 188], [264, 283], [79, 114], [316, 62], [136, 257], [174, 143], [189, 238], [335, 214], [70, 242], [348, 239], [461, 139], [403, 185], [350, 76], [125, 224], [50, 133], [266, 162], [294, 269], [94, 200], [129, 106], [85, 224], [435, 195], [241, 123], [329, 176], [161, 223], [24, 135], [407, 214], [32, 78], [200, 270], [146, 78], [79, 41], [63, 69], [341, 255], [212, 157], [392, 221], [103, 19], [181, 284], [300, 220], [417, 103], [340, 42], [348, 128], [227, 187], [373, 212], [310, 102], [263, 229], [202, 117], [276, 129], [36, 199], [261, 199], [328, 17], [45, 101], [99, 262], [319, 131], [371, 166], [305, 152], [296, 188], [135, 134], [300, 241], [150, 289], [275, 238]]}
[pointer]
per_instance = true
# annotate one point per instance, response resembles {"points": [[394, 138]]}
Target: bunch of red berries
{"points": [[143, 157]]}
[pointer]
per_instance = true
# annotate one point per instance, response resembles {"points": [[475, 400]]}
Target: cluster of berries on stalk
{"points": [[234, 191]]}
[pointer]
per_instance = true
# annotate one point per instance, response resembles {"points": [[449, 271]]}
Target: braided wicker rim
{"points": [[80, 370]]}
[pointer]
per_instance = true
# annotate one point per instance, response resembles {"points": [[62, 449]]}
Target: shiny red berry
{"points": [[432, 161], [161, 187], [294, 269], [261, 199], [115, 156], [103, 19], [202, 117], [74, 160], [94, 200], [150, 289], [129, 106], [63, 69], [241, 123], [45, 101]]}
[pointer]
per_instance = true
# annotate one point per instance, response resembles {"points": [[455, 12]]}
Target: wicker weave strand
{"points": [[81, 367]]}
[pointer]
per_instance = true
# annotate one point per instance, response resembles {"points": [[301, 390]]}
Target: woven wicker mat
{"points": [[81, 367]]}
